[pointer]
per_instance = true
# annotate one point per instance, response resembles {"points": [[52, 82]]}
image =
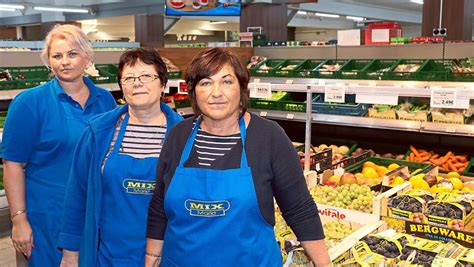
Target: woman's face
{"points": [[67, 61], [144, 93], [218, 96]]}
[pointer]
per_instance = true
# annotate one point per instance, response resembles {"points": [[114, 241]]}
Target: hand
{"points": [[22, 236], [70, 258]]}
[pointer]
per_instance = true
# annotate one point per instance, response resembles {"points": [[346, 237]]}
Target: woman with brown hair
{"points": [[218, 176]]}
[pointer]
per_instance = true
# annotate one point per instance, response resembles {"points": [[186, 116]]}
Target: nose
{"points": [[216, 90], [65, 60]]}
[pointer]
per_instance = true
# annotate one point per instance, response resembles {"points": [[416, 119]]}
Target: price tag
{"points": [[386, 99], [290, 116], [289, 82], [339, 171], [263, 113], [335, 93], [261, 90], [443, 98], [183, 88]]}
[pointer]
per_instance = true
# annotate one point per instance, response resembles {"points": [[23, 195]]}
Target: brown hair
{"points": [[209, 62], [148, 56]]}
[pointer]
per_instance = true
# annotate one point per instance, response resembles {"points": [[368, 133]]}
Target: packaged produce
{"points": [[407, 68], [254, 61], [381, 111], [410, 205], [449, 210], [420, 252]]}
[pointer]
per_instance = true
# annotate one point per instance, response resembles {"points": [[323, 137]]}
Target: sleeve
{"points": [[157, 220], [21, 132], [74, 211], [290, 189]]}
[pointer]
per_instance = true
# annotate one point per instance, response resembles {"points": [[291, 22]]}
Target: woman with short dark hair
{"points": [[218, 176], [113, 175]]}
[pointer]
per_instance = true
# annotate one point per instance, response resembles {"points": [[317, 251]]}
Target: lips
{"points": [[140, 93]]}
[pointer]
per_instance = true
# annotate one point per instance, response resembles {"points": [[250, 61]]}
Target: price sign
{"points": [[335, 93], [443, 98], [263, 113], [290, 116], [369, 98], [183, 88], [261, 90], [289, 82]]}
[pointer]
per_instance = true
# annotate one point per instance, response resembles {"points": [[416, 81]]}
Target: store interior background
{"points": [[114, 20]]}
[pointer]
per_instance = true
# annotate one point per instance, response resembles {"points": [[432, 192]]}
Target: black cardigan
{"points": [[275, 169]]}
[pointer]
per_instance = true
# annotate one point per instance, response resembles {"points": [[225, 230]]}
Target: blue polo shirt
{"points": [[42, 128]]}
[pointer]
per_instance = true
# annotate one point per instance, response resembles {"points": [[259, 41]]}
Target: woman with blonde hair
{"points": [[41, 131]]}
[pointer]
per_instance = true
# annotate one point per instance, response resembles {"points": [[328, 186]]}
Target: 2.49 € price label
{"points": [[443, 98]]}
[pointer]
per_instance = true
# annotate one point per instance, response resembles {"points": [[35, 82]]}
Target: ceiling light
{"points": [[420, 2], [8, 6], [61, 9], [355, 18], [218, 22], [7, 9], [301, 12], [326, 15]]}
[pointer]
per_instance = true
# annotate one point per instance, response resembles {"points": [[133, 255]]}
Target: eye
{"points": [[57, 57], [72, 54], [228, 82], [205, 83]]}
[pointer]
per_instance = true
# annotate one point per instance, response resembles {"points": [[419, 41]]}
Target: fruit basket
{"points": [[23, 77], [269, 103], [266, 68], [287, 68], [434, 70], [329, 69], [353, 69], [407, 69], [462, 70], [378, 69], [346, 109], [305, 70], [107, 73]]}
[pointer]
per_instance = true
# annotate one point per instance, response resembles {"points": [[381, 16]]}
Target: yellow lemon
{"points": [[457, 184], [369, 164], [434, 189], [438, 179], [381, 170], [359, 175], [420, 184], [453, 175], [366, 169], [393, 166], [371, 174], [455, 191], [397, 181]]}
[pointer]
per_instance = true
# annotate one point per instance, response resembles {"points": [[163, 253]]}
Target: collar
{"points": [[58, 89]]}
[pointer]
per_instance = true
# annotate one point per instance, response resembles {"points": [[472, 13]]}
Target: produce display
{"points": [[348, 196], [289, 67], [407, 68], [254, 61], [446, 163], [328, 69], [335, 232], [338, 152], [463, 66]]}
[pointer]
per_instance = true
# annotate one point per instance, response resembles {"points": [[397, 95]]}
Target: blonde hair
{"points": [[73, 35]]}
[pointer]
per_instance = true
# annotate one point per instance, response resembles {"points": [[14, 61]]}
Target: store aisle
{"points": [[7, 253]]}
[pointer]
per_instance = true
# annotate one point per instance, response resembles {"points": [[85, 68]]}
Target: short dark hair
{"points": [[209, 62], [148, 56]]}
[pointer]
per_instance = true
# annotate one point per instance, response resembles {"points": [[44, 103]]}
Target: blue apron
{"points": [[128, 184], [214, 218], [45, 200]]}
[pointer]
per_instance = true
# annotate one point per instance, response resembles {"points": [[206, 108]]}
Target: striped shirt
{"points": [[212, 148], [139, 141]]}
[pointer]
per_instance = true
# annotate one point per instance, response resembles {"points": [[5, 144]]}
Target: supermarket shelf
{"points": [[365, 122], [10, 94], [373, 87]]}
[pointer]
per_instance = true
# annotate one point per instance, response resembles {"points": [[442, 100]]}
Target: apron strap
{"points": [[121, 134], [190, 142]]}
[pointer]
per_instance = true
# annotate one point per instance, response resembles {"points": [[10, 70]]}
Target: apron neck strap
{"points": [[190, 142], [121, 134]]}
